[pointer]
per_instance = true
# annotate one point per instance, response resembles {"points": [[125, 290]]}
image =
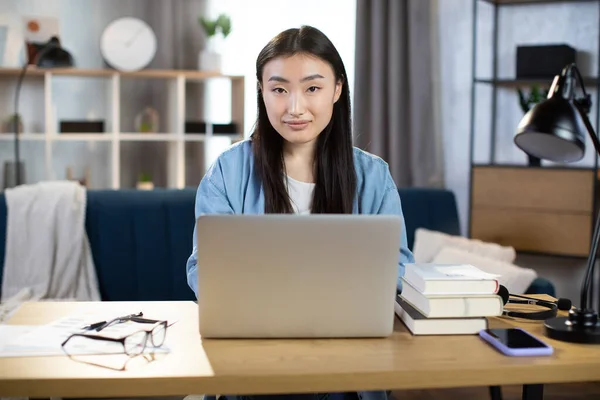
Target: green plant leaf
{"points": [[221, 24], [224, 22], [145, 177], [523, 101], [210, 27], [536, 94]]}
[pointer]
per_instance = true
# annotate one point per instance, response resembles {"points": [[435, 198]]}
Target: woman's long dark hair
{"points": [[334, 163]]}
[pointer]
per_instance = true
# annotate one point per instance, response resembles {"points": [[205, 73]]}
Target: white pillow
{"points": [[516, 279], [428, 244]]}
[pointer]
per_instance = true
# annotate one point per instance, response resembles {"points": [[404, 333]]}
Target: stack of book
{"points": [[440, 299]]}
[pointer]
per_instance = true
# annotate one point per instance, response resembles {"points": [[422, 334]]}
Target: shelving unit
{"points": [[541, 210], [515, 83], [174, 120]]}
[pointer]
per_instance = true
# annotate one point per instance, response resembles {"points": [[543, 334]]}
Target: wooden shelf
{"points": [[173, 136], [123, 137], [147, 137], [81, 137], [517, 2], [107, 73], [201, 137], [557, 167], [23, 137], [513, 83]]}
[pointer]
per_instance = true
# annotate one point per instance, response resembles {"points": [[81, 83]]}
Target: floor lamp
{"points": [[554, 130], [51, 55]]}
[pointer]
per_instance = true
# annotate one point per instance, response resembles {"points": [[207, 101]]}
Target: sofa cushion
{"points": [[429, 243], [516, 279], [430, 208], [141, 242]]}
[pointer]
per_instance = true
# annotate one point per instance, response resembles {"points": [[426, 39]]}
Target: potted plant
{"points": [[215, 30], [145, 182], [8, 125], [527, 102]]}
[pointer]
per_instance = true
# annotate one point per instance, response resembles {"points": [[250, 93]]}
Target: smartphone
{"points": [[515, 342]]}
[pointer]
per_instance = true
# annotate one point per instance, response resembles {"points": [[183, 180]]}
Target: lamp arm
{"points": [[583, 106], [51, 43], [588, 127], [573, 67], [591, 263], [16, 124]]}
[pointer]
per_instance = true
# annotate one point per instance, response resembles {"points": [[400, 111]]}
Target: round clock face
{"points": [[128, 44]]}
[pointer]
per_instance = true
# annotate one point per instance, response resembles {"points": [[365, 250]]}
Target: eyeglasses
{"points": [[98, 326], [134, 343]]}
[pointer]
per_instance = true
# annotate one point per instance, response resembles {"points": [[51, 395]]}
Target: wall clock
{"points": [[128, 44]]}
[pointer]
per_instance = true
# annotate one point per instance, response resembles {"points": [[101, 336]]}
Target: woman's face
{"points": [[299, 93]]}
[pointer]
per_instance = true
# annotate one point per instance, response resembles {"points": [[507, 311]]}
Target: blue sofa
{"points": [[141, 240]]}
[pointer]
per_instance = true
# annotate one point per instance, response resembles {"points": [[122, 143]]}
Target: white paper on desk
{"points": [[46, 340], [8, 333]]}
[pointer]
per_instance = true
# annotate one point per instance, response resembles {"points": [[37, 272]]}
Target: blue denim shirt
{"points": [[232, 186]]}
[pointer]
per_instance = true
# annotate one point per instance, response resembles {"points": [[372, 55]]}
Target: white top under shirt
{"points": [[301, 194]]}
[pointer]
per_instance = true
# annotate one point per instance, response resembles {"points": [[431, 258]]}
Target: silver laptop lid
{"points": [[281, 275]]}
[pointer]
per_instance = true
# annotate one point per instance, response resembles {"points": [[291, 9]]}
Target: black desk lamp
{"points": [[554, 130], [51, 55]]}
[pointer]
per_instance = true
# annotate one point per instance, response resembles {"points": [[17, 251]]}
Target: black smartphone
{"points": [[515, 342]]}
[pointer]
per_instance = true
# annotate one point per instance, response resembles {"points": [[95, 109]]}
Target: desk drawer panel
{"points": [[553, 233], [534, 188]]}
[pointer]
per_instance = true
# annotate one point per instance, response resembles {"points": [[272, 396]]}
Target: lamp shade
{"points": [[53, 55], [552, 130]]}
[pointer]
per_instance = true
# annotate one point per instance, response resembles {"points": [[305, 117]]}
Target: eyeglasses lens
{"points": [[135, 343], [158, 335]]}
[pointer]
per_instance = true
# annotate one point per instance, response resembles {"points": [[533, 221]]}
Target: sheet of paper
{"points": [[46, 340]]}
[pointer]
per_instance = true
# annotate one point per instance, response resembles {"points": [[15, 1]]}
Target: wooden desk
{"points": [[283, 366]]}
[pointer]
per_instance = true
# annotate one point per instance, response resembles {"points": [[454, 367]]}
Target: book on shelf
{"points": [[450, 279]]}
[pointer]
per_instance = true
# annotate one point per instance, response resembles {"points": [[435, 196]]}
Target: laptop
{"points": [[297, 276]]}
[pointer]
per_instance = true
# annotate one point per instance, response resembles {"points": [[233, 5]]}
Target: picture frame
{"points": [[37, 32], [11, 41]]}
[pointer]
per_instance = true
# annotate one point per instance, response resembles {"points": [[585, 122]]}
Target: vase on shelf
{"points": [[147, 121], [145, 185], [210, 58], [215, 32]]}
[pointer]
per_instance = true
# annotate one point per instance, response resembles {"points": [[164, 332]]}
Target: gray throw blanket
{"points": [[48, 255]]}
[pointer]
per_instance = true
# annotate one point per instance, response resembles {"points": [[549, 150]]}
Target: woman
{"points": [[300, 157]]}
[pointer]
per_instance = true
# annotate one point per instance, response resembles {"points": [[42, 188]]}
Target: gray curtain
{"points": [[394, 103]]}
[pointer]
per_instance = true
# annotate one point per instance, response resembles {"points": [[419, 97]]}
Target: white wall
{"points": [[255, 22], [575, 24]]}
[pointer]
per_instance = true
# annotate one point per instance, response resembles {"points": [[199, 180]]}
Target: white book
{"points": [[418, 324], [450, 279], [452, 305]]}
